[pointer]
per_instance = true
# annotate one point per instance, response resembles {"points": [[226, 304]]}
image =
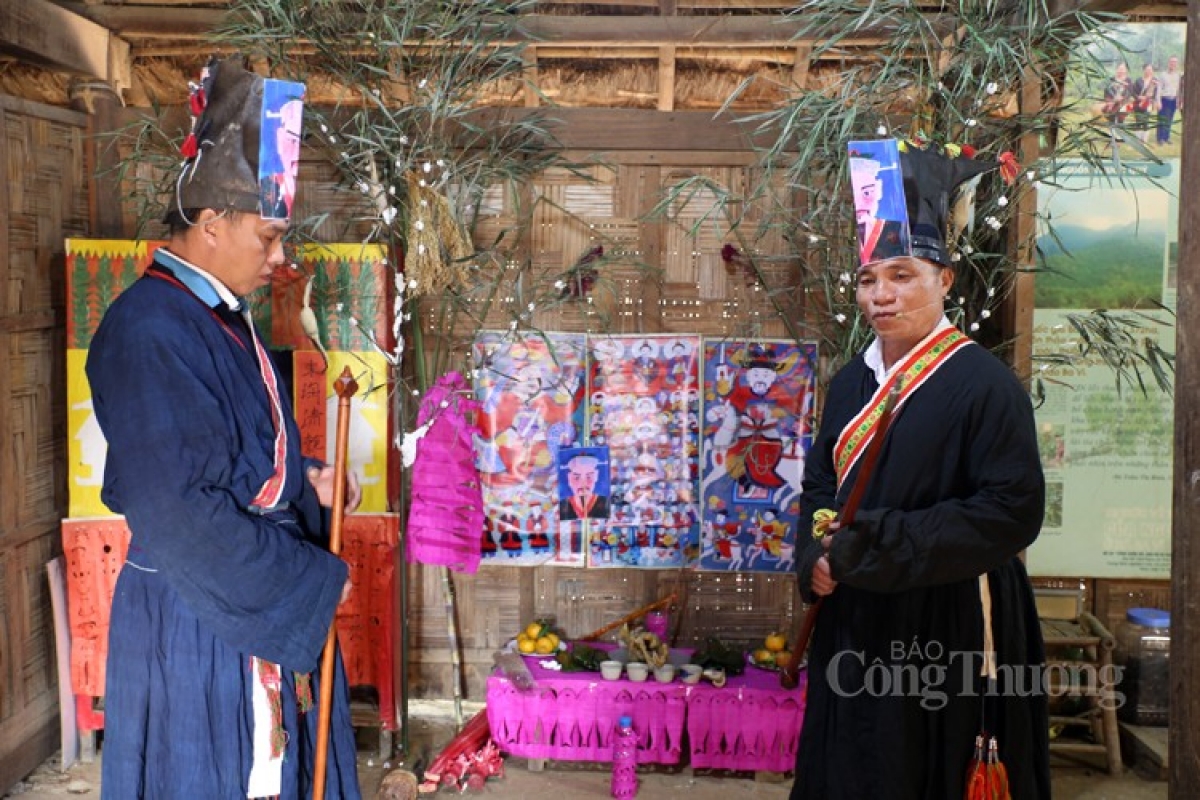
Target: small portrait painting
{"points": [[880, 213], [583, 483], [279, 147]]}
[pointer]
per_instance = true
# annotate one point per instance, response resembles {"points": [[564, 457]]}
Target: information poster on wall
{"points": [[1106, 444]]}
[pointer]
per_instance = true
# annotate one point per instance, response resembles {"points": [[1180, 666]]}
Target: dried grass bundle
{"points": [[438, 247]]}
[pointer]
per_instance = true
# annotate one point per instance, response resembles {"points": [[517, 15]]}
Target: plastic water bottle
{"points": [[624, 776]]}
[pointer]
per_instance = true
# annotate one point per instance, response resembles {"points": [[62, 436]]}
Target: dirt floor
{"points": [[560, 780]]}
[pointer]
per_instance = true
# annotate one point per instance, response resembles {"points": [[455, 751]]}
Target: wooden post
{"points": [[103, 106], [1017, 311], [1184, 732]]}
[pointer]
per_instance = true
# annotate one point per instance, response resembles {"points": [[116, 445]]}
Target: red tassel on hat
{"points": [[197, 101], [190, 147]]}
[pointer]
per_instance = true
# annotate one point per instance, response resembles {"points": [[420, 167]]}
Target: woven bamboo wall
{"points": [[43, 199], [665, 274]]}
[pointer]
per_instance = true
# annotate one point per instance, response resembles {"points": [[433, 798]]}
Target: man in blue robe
{"points": [[224, 603]]}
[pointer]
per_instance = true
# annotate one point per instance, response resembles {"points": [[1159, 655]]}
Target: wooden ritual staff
{"points": [[345, 388], [789, 675]]}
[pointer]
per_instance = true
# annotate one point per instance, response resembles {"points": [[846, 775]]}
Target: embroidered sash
{"points": [[917, 367], [268, 496]]}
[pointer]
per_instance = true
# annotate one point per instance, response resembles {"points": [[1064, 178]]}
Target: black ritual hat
{"points": [[230, 108], [931, 179], [911, 216], [220, 170]]}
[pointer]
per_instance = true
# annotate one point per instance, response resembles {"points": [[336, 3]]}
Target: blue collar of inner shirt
{"points": [[190, 277]]}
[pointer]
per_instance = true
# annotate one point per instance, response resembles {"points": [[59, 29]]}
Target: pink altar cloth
{"points": [[750, 724]]}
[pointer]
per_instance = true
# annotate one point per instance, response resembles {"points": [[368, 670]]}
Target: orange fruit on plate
{"points": [[776, 642], [526, 645]]}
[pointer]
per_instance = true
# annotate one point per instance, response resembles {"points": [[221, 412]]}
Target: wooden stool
{"points": [[1083, 648]]}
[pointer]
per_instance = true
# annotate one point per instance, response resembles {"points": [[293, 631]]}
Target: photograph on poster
{"points": [[1128, 83], [758, 414], [1105, 242], [531, 389], [644, 407], [1105, 447]]}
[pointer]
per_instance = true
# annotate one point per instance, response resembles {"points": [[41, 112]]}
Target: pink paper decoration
{"points": [[445, 521]]}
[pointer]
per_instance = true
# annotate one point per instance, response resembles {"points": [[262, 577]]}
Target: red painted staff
{"points": [[788, 676], [345, 387]]}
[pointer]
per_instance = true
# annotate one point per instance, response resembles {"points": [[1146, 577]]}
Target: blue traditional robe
{"points": [[209, 583]]}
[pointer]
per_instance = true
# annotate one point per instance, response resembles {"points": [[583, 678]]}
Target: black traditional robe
{"points": [[208, 582], [895, 699]]}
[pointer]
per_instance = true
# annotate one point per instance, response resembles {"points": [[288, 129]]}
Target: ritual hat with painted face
{"points": [[243, 150], [923, 198]]}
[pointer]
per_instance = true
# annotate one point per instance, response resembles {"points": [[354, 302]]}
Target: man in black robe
{"points": [[928, 634]]}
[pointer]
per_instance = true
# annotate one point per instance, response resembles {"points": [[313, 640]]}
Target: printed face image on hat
{"points": [[880, 213], [279, 147]]}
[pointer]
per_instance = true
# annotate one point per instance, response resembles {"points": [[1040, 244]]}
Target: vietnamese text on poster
{"points": [[1106, 447]]}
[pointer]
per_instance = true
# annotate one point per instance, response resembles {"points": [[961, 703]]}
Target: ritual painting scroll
{"points": [[531, 388], [758, 407], [644, 406]]}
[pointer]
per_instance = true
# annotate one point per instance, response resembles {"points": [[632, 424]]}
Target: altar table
{"points": [[750, 723]]}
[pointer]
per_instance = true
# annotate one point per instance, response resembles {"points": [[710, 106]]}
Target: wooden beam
{"points": [[800, 66], [641, 129], [661, 5], [1127, 7], [666, 78], [135, 22], [145, 24], [1183, 740], [532, 100], [42, 32]]}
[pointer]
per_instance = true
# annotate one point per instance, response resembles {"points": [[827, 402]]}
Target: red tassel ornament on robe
{"points": [[987, 779]]}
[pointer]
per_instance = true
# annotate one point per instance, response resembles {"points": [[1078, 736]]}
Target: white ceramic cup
{"points": [[691, 673], [610, 670], [665, 673], [637, 671]]}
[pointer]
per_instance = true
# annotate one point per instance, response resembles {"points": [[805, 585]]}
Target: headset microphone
{"points": [[902, 314]]}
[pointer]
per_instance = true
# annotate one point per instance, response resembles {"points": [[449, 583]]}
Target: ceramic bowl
{"points": [[637, 671], [611, 670], [691, 673], [665, 673], [677, 658]]}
